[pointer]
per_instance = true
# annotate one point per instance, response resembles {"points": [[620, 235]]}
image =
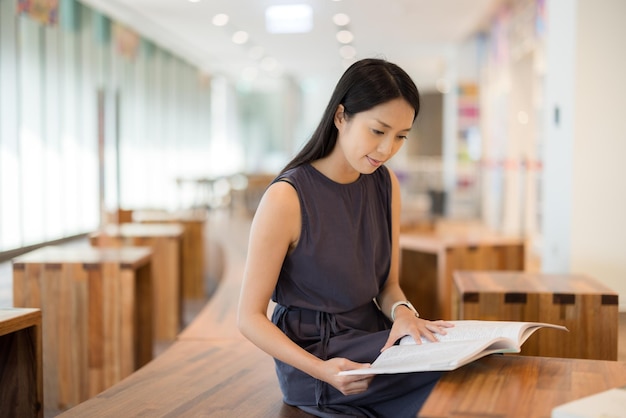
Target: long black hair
{"points": [[365, 84]]}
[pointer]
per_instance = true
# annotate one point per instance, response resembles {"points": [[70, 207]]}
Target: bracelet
{"points": [[405, 303]]}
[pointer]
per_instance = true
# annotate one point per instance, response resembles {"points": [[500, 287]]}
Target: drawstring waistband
{"points": [[327, 325]]}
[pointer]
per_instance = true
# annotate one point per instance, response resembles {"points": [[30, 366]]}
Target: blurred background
{"points": [[175, 104]]}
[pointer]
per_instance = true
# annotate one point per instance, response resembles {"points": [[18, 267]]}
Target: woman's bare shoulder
{"points": [[279, 211]]}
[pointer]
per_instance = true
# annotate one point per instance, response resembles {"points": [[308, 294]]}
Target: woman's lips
{"points": [[374, 162]]}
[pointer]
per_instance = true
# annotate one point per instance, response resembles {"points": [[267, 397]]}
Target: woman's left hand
{"points": [[407, 323]]}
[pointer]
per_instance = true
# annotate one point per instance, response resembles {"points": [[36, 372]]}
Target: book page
{"points": [[432, 356], [517, 332], [465, 342]]}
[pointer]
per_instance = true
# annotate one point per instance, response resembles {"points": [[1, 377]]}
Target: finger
{"points": [[443, 323], [429, 335], [437, 329]]}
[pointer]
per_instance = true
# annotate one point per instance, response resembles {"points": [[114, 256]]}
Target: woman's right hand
{"points": [[348, 385]]}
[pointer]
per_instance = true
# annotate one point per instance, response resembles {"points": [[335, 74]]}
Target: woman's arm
{"points": [[274, 231], [405, 323]]}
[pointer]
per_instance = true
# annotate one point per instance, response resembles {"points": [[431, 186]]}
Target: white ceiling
{"points": [[416, 34]]}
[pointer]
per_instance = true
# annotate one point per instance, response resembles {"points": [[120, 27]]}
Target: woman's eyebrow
{"points": [[389, 126]]}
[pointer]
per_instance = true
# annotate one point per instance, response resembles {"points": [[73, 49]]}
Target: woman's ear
{"points": [[340, 116]]}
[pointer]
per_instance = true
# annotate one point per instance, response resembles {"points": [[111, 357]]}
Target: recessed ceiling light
{"points": [[220, 19], [347, 52], [345, 36], [240, 37], [289, 18], [341, 19]]}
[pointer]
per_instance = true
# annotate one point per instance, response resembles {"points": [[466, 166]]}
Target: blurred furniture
{"points": [[165, 241], [21, 366], [585, 306], [257, 183], [94, 305], [194, 251], [510, 386], [427, 261]]}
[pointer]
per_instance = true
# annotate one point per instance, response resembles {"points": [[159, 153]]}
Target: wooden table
{"points": [[95, 305], [165, 240], [194, 249], [519, 386], [588, 308], [428, 261], [21, 366]]}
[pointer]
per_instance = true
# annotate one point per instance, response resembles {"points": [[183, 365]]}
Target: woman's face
{"points": [[369, 139]]}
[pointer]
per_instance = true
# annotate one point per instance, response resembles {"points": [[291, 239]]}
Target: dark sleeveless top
{"points": [[327, 285], [342, 258]]}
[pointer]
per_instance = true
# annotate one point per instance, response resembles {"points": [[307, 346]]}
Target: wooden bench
{"points": [[511, 386], [94, 305], [588, 308], [21, 365], [227, 378]]}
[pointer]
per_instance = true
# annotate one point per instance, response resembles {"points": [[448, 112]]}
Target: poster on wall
{"points": [[43, 11]]}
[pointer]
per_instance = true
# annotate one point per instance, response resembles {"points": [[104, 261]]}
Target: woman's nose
{"points": [[386, 145]]}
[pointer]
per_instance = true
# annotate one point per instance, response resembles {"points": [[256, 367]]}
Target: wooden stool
{"points": [[165, 242], [585, 306], [194, 249], [94, 304], [428, 261], [21, 368]]}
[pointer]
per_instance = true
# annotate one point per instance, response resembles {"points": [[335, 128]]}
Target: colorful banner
{"points": [[43, 11]]}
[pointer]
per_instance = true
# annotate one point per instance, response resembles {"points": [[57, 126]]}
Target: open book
{"points": [[465, 342]]}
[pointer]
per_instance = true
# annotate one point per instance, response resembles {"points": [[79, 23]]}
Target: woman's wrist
{"points": [[406, 304]]}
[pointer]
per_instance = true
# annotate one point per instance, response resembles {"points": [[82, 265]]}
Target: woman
{"points": [[324, 247]]}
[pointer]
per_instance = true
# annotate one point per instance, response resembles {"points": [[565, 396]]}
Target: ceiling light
{"points": [[341, 19], [345, 36], [194, 1], [240, 37], [289, 18], [347, 52], [220, 19]]}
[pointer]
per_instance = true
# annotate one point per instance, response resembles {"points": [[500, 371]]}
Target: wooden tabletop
{"points": [[524, 282], [166, 216], [128, 256], [141, 229], [15, 319], [436, 242], [519, 386]]}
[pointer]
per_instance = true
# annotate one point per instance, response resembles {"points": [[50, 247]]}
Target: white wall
{"points": [[598, 210], [558, 144]]}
